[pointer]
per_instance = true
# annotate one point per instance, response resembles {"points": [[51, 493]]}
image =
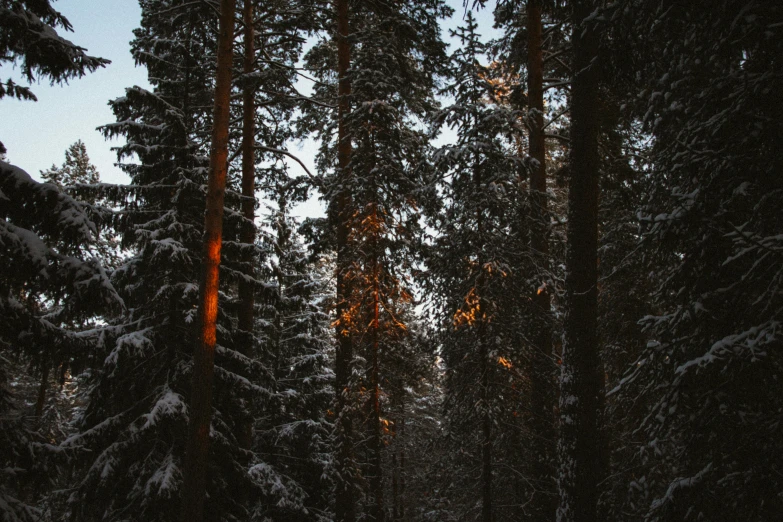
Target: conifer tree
{"points": [[292, 426], [395, 51], [80, 178], [28, 34], [75, 169], [135, 422], [582, 380], [473, 272], [50, 282], [703, 390]]}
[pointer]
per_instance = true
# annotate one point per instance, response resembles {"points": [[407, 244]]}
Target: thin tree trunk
{"points": [[581, 381], [376, 482], [197, 449], [402, 461], [245, 313], [248, 232], [395, 474], [544, 503], [42, 388], [345, 509], [486, 420], [486, 438]]}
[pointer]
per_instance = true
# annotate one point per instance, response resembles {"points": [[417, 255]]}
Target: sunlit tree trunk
{"points": [[200, 408], [345, 510], [581, 381], [544, 502]]}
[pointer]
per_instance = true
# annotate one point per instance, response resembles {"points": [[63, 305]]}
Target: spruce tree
{"points": [[50, 284], [395, 52], [28, 34], [474, 277], [292, 427], [80, 178], [705, 386]]}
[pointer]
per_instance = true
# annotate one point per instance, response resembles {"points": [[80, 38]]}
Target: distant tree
{"points": [[293, 427], [372, 180], [79, 177], [76, 168]]}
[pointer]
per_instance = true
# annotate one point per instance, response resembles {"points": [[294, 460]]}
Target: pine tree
{"points": [[395, 51], [135, 422], [75, 169], [139, 395]]}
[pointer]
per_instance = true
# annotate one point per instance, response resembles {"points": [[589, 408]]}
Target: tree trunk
{"points": [[248, 231], [345, 510], [544, 503], [197, 449], [402, 461], [395, 475], [42, 388], [376, 467], [581, 380], [486, 436]]}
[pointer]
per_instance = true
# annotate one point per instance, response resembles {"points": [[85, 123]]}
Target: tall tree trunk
{"points": [[402, 461], [197, 449], [248, 231], [345, 509], [376, 467], [581, 381], [486, 436], [395, 474], [544, 502]]}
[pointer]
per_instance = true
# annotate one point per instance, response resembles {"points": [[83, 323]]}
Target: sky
{"points": [[37, 134]]}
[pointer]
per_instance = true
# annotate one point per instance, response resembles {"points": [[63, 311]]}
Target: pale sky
{"points": [[37, 134]]}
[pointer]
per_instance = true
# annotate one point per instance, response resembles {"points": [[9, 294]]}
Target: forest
{"points": [[547, 284]]}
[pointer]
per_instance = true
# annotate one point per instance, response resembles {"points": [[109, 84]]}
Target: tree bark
{"points": [[248, 232], [402, 461], [395, 474], [544, 505], [376, 468], [345, 510], [581, 381], [42, 389], [486, 435], [245, 314], [197, 449]]}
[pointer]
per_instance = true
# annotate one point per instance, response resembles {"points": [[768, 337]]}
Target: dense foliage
{"points": [[405, 354]]}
